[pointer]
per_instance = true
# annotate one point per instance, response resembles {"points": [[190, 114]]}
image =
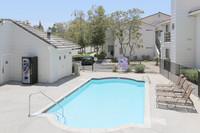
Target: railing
{"points": [[167, 37], [45, 96]]}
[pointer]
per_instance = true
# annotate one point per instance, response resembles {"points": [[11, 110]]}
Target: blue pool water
{"points": [[102, 103]]}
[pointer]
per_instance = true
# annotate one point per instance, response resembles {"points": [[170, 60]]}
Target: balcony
{"points": [[167, 37]]}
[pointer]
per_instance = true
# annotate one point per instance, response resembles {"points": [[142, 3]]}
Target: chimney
{"points": [[49, 34]]}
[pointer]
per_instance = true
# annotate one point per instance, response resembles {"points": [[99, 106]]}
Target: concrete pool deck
{"points": [[14, 107]]}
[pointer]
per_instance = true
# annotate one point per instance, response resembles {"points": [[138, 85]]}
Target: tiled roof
{"points": [[195, 10], [156, 14], [55, 41]]}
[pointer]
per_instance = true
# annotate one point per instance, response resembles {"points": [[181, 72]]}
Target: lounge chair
{"points": [[171, 84], [185, 101], [179, 95], [173, 89]]}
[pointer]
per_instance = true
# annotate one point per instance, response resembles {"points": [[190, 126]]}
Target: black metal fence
{"points": [[172, 70]]}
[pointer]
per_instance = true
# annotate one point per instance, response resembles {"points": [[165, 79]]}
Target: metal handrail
{"points": [[48, 98]]}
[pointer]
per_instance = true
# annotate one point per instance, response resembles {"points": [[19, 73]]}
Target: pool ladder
{"points": [[146, 77], [45, 96]]}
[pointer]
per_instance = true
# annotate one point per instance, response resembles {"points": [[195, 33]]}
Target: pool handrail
{"points": [[40, 92]]}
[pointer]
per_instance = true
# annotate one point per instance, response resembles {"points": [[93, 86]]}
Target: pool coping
{"points": [[53, 121]]}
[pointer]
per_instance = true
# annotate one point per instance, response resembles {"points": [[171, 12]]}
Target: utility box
{"points": [[29, 70]]}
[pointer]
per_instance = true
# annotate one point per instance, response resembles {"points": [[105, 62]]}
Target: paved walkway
{"points": [[14, 107]]}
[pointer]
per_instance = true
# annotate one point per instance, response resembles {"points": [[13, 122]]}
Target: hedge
{"points": [[139, 68], [190, 74]]}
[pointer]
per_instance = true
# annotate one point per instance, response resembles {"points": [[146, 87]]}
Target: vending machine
{"points": [[29, 70]]}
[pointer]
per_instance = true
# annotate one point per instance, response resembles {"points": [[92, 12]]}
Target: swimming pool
{"points": [[103, 103]]}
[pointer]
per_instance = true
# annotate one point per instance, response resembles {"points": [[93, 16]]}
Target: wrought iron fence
{"points": [[172, 70]]}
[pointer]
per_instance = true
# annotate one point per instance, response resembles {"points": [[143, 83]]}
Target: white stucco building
{"points": [[148, 30], [19, 40], [184, 28]]}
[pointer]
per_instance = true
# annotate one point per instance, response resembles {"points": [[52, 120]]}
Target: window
{"points": [[59, 57], [64, 56], [167, 53], [120, 51], [167, 28]]}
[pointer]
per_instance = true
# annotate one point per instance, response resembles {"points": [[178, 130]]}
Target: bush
{"points": [[146, 58], [73, 68], [139, 68], [77, 57], [156, 59], [102, 55], [115, 60], [190, 74], [114, 69], [135, 58], [129, 68]]}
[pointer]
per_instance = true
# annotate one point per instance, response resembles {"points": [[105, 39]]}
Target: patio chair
{"points": [[171, 84], [173, 94], [173, 89], [185, 101]]}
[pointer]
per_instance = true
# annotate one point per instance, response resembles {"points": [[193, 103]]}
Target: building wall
{"points": [[148, 37], [197, 41], [20, 43], [5, 42], [25, 44], [61, 63], [183, 36], [109, 41]]}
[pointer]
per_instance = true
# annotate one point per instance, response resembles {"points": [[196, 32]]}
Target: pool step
{"points": [[59, 117]]}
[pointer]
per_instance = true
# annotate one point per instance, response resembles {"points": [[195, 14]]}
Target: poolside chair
{"points": [[173, 89], [171, 84], [179, 95], [185, 101]]}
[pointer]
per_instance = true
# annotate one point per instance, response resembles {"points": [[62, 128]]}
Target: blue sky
{"points": [[51, 11]]}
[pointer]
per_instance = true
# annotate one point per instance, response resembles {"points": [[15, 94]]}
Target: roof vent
{"points": [[49, 34]]}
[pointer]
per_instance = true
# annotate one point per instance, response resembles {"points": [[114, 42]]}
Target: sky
{"points": [[52, 11]]}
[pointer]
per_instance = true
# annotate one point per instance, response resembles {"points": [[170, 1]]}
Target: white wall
{"points": [[25, 44], [5, 43], [183, 36], [20, 43], [198, 41], [60, 67], [148, 37], [109, 41]]}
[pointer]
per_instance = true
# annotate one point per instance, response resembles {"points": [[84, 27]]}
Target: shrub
{"points": [[114, 69], [73, 68], [139, 68], [129, 68], [115, 60], [77, 57], [135, 58], [102, 55], [146, 58], [190, 74], [157, 59]]}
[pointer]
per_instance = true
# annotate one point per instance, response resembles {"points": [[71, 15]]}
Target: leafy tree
{"points": [[26, 22], [40, 27], [59, 29], [126, 26], [98, 25]]}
